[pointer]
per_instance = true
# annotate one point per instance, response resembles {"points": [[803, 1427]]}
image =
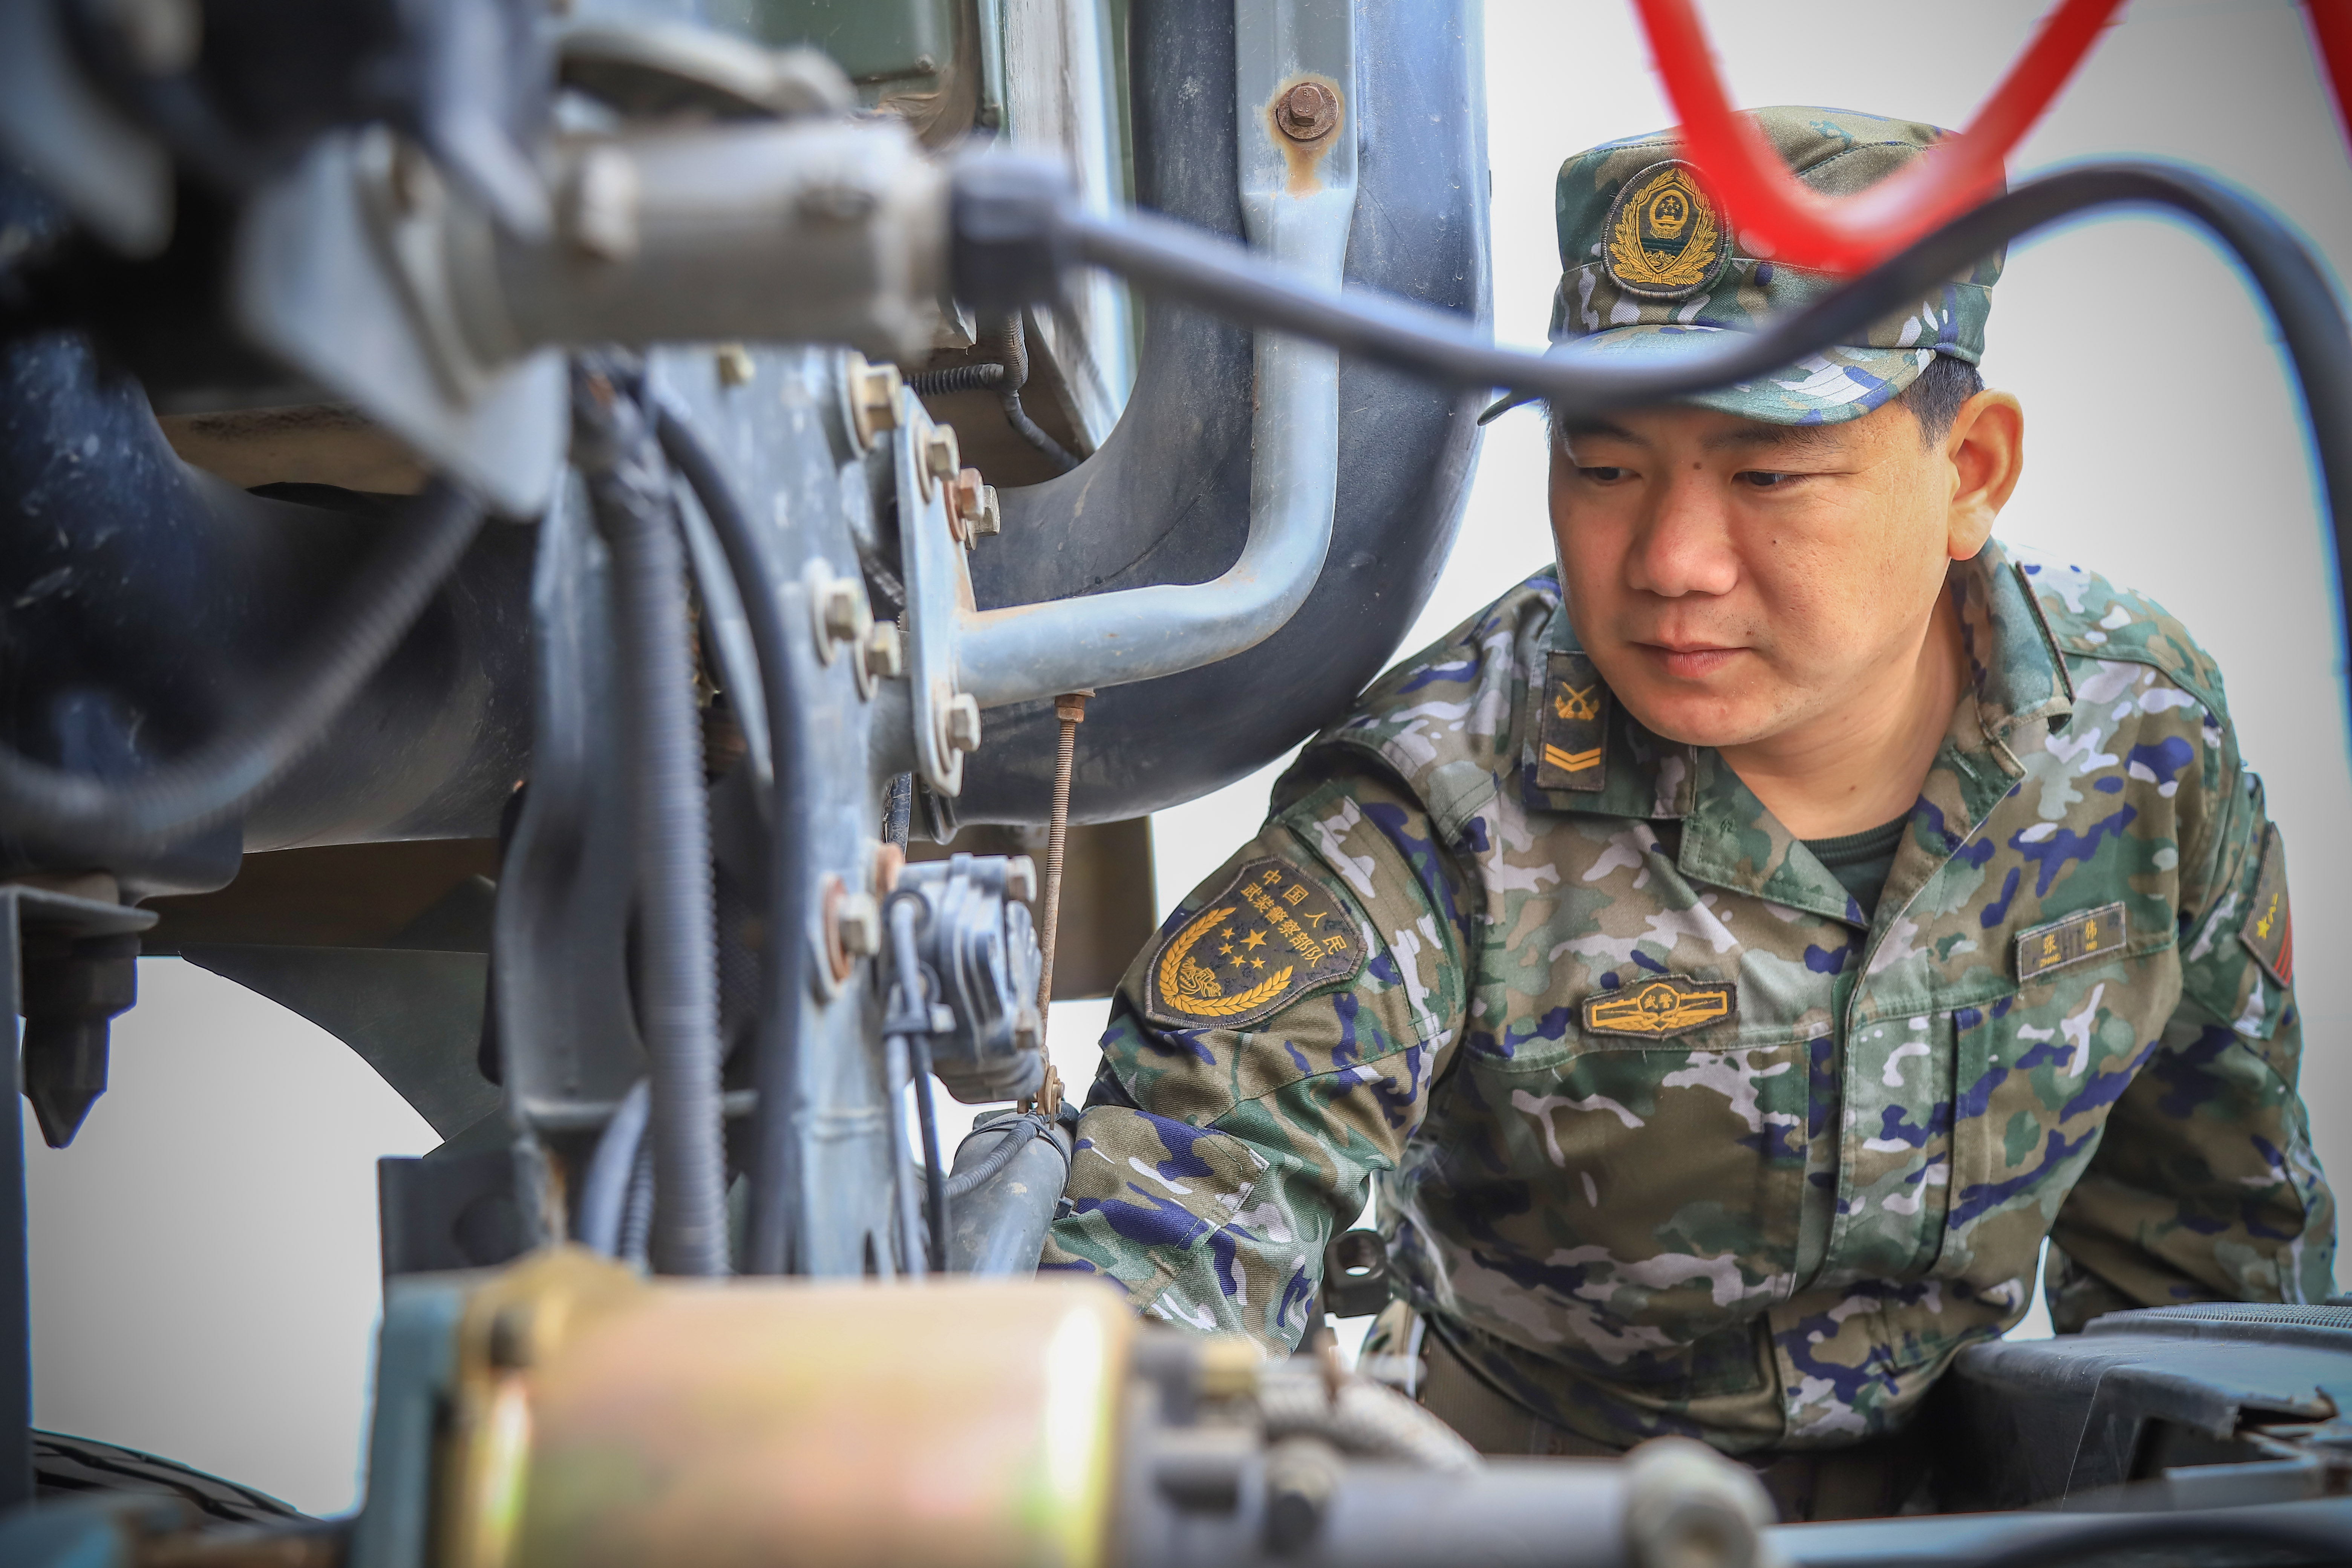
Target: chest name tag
{"points": [[1661, 1009], [1572, 730], [2092, 933], [1271, 936], [2269, 930]]}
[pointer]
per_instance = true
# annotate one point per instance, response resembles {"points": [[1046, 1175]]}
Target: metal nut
{"points": [[941, 462], [873, 396], [1308, 111], [1021, 879], [858, 919], [841, 610], [885, 656], [961, 720], [735, 366]]}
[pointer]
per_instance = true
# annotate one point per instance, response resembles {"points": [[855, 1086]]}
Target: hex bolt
{"points": [[734, 365], [873, 396], [885, 656], [858, 919], [990, 517], [842, 611], [961, 721], [1021, 879], [941, 462], [1308, 111]]}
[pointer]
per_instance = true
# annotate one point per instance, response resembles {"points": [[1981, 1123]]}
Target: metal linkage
{"points": [[965, 923]]}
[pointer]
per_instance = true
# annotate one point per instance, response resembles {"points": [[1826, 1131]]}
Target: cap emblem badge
{"points": [[1666, 240]]}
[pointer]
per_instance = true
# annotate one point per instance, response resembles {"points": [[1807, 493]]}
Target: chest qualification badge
{"points": [[1661, 1009], [1269, 938], [1666, 239]]}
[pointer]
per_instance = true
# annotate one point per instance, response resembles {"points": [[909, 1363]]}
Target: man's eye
{"points": [[1766, 480], [1604, 475]]}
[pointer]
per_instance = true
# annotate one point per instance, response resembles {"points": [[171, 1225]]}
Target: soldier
{"points": [[1728, 956]]}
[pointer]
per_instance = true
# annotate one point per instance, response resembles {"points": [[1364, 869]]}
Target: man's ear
{"points": [[1986, 451]]}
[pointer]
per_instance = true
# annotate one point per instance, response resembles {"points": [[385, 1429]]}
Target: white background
{"points": [[204, 1256]]}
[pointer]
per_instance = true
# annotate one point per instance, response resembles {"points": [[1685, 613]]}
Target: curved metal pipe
{"points": [[1298, 197], [1169, 498]]}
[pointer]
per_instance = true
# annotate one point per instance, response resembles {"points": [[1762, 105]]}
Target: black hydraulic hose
{"points": [[604, 1189], [752, 560], [935, 1188], [213, 784], [1221, 277], [677, 967], [1018, 1131]]}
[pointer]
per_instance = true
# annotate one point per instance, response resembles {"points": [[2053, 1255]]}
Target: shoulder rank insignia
{"points": [[1661, 1009], [1572, 727], [1665, 239], [2269, 930], [1272, 935], [2057, 944]]}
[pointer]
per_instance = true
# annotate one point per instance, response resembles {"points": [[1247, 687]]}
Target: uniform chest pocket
{"points": [[2038, 1072], [1665, 1176]]}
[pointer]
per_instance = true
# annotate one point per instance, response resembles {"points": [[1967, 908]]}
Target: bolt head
{"points": [[962, 720], [873, 396], [734, 365], [886, 655], [842, 608], [858, 919], [941, 461], [1021, 880], [1308, 111]]}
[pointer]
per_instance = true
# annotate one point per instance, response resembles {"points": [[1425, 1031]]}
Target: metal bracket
{"points": [[938, 593]]}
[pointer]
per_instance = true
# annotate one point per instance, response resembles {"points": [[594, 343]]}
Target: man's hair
{"points": [[1934, 399]]}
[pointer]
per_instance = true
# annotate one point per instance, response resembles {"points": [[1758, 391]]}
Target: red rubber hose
{"points": [[1778, 217]]}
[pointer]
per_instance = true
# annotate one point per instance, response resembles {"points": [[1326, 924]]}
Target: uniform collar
{"points": [[2018, 692]]}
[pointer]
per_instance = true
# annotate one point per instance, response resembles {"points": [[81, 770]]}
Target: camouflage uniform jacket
{"points": [[1669, 1136]]}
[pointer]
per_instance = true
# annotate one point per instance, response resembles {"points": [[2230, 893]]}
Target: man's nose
{"points": [[1685, 544]]}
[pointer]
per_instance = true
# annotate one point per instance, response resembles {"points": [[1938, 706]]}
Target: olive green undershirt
{"points": [[1860, 861]]}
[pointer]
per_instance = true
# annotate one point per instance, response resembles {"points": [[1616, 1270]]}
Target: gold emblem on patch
{"points": [[1661, 1008], [2091, 934], [1272, 935], [1666, 240]]}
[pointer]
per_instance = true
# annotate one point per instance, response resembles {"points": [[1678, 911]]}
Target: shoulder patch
{"points": [[1572, 727], [2269, 930], [2057, 944], [1661, 1009], [1270, 937]]}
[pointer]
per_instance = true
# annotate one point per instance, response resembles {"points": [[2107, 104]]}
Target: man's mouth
{"points": [[1688, 660]]}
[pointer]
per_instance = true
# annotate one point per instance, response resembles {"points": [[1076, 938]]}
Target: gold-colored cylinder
{"points": [[603, 1420]]}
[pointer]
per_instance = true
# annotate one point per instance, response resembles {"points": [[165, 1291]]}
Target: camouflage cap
{"points": [[1651, 266]]}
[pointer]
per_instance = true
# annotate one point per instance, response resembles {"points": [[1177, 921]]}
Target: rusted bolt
{"points": [[873, 396], [961, 722], [734, 364], [886, 657], [1308, 111], [941, 461]]}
